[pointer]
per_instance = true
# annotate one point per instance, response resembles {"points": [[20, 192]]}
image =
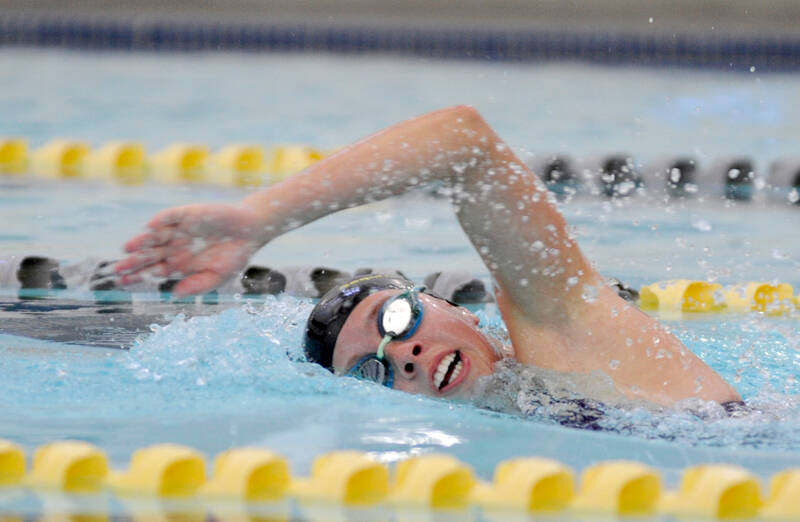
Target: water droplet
{"points": [[536, 246], [752, 68], [589, 293], [702, 225], [650, 20], [794, 195], [613, 364], [523, 282], [572, 281], [614, 311], [779, 255], [628, 342]]}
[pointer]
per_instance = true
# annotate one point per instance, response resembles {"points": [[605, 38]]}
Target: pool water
{"points": [[232, 374]]}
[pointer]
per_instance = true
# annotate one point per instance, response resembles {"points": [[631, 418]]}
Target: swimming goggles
{"points": [[398, 319]]}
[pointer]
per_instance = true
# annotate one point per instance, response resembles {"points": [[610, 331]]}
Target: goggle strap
{"points": [[386, 339]]}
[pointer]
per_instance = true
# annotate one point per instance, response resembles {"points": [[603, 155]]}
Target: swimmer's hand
{"points": [[202, 244]]}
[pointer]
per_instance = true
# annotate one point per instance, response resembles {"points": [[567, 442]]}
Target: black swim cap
{"points": [[328, 317]]}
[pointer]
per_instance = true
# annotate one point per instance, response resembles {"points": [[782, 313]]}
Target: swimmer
{"points": [[559, 312]]}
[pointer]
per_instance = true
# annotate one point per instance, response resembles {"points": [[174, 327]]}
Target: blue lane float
{"points": [[737, 52], [783, 180]]}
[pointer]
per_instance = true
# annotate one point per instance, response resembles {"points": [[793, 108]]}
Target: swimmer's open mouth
{"points": [[448, 370]]}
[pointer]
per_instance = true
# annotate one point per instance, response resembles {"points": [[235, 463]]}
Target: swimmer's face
{"points": [[446, 334]]}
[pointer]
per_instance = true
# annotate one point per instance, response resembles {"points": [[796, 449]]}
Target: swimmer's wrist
{"points": [[273, 217], [262, 230]]}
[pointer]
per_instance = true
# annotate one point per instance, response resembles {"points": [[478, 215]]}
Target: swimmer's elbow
{"points": [[463, 114], [468, 114], [721, 391]]}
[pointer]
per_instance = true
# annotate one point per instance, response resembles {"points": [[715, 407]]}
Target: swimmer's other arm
{"points": [[559, 312]]}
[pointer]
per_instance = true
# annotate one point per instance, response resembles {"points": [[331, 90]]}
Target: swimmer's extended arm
{"points": [[558, 310]]}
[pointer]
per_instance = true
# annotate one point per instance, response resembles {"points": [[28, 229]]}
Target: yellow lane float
{"points": [[180, 163], [253, 482], [772, 299], [70, 466], [528, 484], [289, 159], [432, 481], [60, 159], [12, 463], [251, 474], [714, 490], [682, 295], [619, 488], [13, 155], [784, 496], [345, 477], [239, 166], [122, 161], [164, 470]]}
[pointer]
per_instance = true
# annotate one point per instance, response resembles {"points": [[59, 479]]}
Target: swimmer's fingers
{"points": [[203, 219], [153, 238], [157, 271], [198, 283], [170, 217], [177, 250]]}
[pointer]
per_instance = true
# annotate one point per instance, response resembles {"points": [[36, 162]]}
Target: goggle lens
{"points": [[397, 317], [371, 369]]}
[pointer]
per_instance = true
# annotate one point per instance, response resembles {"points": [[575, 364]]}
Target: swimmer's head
{"points": [[329, 315], [441, 352]]}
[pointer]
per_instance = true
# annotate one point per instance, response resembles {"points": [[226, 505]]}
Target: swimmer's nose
{"points": [[405, 355]]}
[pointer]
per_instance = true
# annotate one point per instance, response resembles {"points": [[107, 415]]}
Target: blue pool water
{"points": [[233, 376]]}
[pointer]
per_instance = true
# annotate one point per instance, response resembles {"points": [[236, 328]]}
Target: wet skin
{"points": [[444, 329]]}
